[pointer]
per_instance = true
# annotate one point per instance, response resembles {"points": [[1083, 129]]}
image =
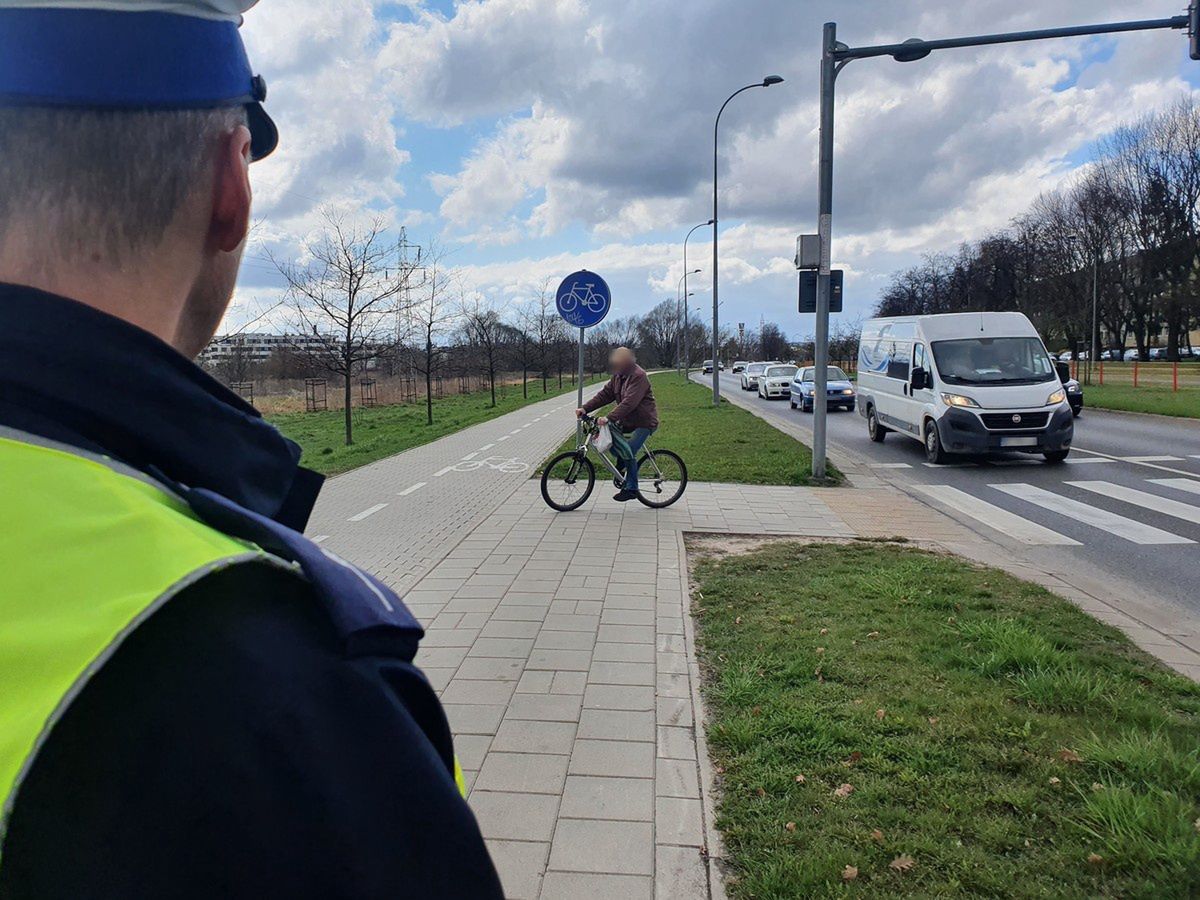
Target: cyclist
{"points": [[634, 418]]}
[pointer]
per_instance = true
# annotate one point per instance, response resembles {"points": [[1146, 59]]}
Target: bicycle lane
{"points": [[398, 517]]}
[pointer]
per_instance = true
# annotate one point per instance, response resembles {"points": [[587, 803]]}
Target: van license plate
{"points": [[1018, 442]]}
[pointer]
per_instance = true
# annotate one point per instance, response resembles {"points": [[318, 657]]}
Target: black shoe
{"points": [[623, 496]]}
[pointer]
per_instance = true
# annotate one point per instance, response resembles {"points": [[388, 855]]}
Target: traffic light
{"points": [[1193, 26]]}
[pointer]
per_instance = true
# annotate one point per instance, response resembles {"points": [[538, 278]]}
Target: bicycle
{"points": [[568, 479], [588, 299]]}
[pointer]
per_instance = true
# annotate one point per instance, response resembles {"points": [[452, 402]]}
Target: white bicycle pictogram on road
{"points": [[508, 465], [585, 297]]}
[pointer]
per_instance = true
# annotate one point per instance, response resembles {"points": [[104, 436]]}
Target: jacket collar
{"points": [[74, 374]]}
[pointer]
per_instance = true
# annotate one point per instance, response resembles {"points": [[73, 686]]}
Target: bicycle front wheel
{"points": [[662, 476], [567, 481]]}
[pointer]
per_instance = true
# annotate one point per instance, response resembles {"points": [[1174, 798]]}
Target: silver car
{"points": [[776, 382], [750, 375]]}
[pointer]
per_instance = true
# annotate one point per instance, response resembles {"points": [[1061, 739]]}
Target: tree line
{"points": [[1126, 228]]}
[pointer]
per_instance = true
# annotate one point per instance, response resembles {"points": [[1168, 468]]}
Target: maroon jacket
{"points": [[632, 393]]}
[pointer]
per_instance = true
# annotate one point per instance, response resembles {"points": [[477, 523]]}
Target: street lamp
{"points": [[683, 280], [834, 57], [716, 381]]}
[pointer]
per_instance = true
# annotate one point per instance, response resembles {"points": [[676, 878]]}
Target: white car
{"points": [[775, 383], [750, 375], [739, 365]]}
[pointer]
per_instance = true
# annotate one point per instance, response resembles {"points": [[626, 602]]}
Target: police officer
{"points": [[195, 701]]}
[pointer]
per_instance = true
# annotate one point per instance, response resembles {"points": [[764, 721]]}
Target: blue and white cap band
{"points": [[109, 56]]}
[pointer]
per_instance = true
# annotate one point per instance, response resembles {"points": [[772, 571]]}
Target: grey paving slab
{"points": [[593, 845]]}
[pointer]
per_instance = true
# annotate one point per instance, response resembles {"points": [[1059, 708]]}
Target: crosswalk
{"points": [[1075, 512]]}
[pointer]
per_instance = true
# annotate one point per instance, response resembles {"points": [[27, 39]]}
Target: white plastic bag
{"points": [[603, 439]]}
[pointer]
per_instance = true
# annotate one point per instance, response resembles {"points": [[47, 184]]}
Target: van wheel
{"points": [[933, 444], [876, 431], [1056, 456]]}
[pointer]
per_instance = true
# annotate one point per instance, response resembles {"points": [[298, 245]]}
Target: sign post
{"points": [[583, 300]]}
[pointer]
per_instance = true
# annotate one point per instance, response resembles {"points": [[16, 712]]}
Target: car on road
{"points": [[708, 367], [739, 365], [1131, 354], [964, 383], [839, 391], [1074, 396], [751, 374], [776, 381]]}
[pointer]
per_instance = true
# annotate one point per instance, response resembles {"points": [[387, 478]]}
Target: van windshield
{"points": [[1009, 360]]}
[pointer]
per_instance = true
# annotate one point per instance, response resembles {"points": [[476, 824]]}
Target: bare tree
{"points": [[428, 318], [345, 295], [486, 333]]}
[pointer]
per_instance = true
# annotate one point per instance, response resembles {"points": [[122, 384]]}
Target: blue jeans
{"points": [[626, 449]]}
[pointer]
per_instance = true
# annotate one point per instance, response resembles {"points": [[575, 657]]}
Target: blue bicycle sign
{"points": [[583, 299]]}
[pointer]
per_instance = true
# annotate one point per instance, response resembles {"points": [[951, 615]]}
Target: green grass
{"points": [[1161, 400], [724, 444], [384, 430], [1005, 741]]}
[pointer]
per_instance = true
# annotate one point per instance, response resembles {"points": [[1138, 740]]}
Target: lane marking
{"points": [[412, 487], [1121, 526], [505, 438], [514, 431], [1180, 484], [1194, 456], [890, 465], [1146, 500], [440, 472], [1016, 527], [320, 537], [1001, 463], [1076, 461], [369, 511], [1148, 465], [1146, 459], [961, 465], [471, 455], [485, 447]]}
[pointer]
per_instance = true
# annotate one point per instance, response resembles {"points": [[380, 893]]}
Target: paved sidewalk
{"points": [[571, 684], [399, 516]]}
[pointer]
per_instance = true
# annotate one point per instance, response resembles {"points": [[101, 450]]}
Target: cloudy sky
{"points": [[536, 137]]}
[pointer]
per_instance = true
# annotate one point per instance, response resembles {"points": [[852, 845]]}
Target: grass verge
{"points": [[1161, 400], [726, 443], [384, 430], [890, 722]]}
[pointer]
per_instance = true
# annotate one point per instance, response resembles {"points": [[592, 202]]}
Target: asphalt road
{"points": [[1125, 505]]}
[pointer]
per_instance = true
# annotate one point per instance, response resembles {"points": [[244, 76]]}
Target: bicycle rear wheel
{"points": [[662, 476], [567, 481]]}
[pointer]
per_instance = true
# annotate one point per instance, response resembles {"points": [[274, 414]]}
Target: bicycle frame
{"points": [[585, 444]]}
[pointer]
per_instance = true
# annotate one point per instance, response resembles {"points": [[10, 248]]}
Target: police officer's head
{"points": [[126, 134]]}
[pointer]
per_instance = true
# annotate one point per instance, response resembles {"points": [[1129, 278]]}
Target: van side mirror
{"points": [[1064, 371], [920, 379]]}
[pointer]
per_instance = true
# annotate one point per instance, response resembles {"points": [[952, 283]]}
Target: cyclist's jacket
{"points": [[630, 390], [197, 701]]}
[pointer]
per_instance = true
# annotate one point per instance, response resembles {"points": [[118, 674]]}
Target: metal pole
{"points": [[824, 228], [687, 363], [579, 397], [716, 373], [1095, 354]]}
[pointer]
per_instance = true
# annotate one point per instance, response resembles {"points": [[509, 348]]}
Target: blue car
{"points": [[839, 390]]}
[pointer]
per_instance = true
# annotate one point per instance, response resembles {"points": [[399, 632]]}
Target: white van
{"points": [[963, 383]]}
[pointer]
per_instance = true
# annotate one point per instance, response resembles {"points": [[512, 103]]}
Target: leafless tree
{"points": [[428, 317], [486, 333], [344, 295]]}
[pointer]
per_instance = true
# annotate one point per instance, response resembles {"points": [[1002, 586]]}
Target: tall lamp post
{"points": [[716, 373], [685, 293], [683, 281], [834, 57]]}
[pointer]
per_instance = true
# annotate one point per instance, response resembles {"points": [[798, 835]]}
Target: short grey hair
{"points": [[105, 182]]}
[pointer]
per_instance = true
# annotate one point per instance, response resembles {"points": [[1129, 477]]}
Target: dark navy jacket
{"points": [[262, 735]]}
